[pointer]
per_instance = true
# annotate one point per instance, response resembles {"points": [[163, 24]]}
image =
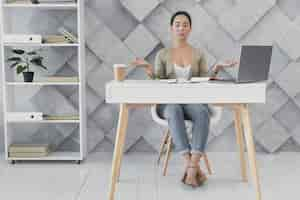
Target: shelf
{"points": [[45, 121], [40, 83], [42, 5], [52, 156], [42, 44], [8, 22]]}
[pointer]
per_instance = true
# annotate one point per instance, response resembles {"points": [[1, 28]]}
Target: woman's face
{"points": [[181, 27]]}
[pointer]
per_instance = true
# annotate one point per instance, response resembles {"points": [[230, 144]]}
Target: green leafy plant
{"points": [[22, 60]]}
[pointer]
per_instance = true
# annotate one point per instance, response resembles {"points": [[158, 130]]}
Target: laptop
{"points": [[254, 64]]}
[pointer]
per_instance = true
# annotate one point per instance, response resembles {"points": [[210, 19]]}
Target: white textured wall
{"points": [[119, 30]]}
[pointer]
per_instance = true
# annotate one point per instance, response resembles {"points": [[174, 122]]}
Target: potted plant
{"points": [[22, 60]]}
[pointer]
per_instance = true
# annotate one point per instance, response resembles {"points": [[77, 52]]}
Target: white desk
{"points": [[148, 91], [128, 93]]}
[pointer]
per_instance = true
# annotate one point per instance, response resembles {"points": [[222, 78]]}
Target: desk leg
{"points": [[240, 142], [118, 149], [251, 149]]}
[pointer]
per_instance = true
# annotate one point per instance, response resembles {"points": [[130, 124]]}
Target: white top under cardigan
{"points": [[183, 72]]}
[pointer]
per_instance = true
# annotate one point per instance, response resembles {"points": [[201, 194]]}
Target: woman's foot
{"points": [[193, 176], [187, 160], [201, 177], [190, 176]]}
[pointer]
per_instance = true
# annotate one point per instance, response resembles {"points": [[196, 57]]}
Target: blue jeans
{"points": [[175, 114]]}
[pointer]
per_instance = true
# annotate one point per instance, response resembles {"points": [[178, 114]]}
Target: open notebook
{"points": [[192, 80]]}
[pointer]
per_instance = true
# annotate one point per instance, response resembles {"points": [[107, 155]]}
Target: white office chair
{"points": [[167, 140]]}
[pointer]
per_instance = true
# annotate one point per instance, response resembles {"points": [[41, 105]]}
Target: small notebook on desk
{"points": [[192, 80]]}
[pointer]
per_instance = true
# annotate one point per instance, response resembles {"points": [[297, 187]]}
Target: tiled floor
{"points": [[141, 179]]}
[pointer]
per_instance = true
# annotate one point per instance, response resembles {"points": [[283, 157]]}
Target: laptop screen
{"points": [[254, 63]]}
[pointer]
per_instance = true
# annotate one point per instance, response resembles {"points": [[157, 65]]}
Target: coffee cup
{"points": [[119, 71]]}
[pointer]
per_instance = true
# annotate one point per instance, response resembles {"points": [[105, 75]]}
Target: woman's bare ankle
{"points": [[187, 159], [195, 158]]}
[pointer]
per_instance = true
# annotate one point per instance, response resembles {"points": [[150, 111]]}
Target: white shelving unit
{"points": [[41, 83], [8, 85], [63, 6], [43, 45]]}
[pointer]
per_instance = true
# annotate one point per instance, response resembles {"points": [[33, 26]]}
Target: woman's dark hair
{"points": [[181, 13]]}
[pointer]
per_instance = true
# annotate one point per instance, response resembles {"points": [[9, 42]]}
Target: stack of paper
{"points": [[28, 150], [192, 80]]}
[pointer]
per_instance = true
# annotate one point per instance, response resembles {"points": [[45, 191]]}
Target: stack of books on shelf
{"points": [[19, 1], [56, 39], [64, 37], [55, 1], [40, 1], [60, 117], [60, 79], [28, 150], [38, 116]]}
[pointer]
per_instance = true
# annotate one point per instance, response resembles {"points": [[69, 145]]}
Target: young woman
{"points": [[182, 60]]}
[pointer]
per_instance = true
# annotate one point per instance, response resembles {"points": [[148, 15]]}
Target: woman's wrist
{"points": [[215, 70], [149, 71]]}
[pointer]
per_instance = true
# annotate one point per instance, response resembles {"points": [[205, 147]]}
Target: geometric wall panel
{"points": [[289, 7], [296, 134], [141, 42], [279, 61], [241, 17], [289, 80], [291, 33], [217, 7], [118, 31], [140, 9], [158, 23], [288, 115], [271, 135]]}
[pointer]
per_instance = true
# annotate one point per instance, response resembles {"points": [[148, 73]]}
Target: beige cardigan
{"points": [[164, 69]]}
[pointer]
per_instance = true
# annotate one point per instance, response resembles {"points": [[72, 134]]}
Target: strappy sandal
{"points": [[185, 176], [201, 177]]}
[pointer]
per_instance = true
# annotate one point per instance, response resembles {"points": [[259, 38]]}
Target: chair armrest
{"points": [[156, 117], [216, 113]]}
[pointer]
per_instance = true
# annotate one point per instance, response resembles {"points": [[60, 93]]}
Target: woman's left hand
{"points": [[227, 63]]}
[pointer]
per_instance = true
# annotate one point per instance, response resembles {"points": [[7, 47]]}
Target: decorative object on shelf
{"points": [[68, 34], [23, 60], [28, 150], [23, 38]]}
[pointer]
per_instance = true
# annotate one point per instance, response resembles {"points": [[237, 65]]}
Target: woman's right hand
{"points": [[139, 62]]}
